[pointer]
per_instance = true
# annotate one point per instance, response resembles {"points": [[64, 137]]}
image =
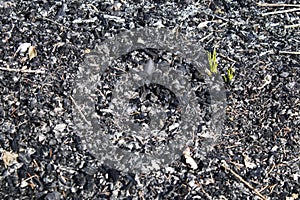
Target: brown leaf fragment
{"points": [[9, 158], [32, 52]]}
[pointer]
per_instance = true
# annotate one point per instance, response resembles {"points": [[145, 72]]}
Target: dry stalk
{"points": [[290, 52], [278, 5], [281, 11], [38, 71], [243, 181], [80, 112], [292, 26]]}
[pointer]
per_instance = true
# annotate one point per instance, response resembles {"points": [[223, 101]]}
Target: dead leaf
{"points": [[203, 24], [9, 158], [57, 45], [248, 162], [32, 52], [22, 48], [189, 160], [23, 59], [295, 195]]}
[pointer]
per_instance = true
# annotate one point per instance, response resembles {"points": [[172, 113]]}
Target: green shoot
{"points": [[230, 72], [230, 75], [212, 59]]}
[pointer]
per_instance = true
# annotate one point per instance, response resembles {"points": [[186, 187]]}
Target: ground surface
{"points": [[257, 155]]}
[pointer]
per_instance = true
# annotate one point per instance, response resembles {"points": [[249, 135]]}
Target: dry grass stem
{"points": [[38, 71], [281, 11], [243, 181], [292, 26], [277, 5], [80, 112], [290, 52]]}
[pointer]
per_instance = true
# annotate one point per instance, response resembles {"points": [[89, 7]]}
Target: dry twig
{"points": [[277, 5], [227, 58], [224, 164], [94, 7], [292, 26], [281, 11], [27, 179], [38, 71], [54, 22], [262, 189], [290, 52], [272, 187], [205, 37], [80, 112]]}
